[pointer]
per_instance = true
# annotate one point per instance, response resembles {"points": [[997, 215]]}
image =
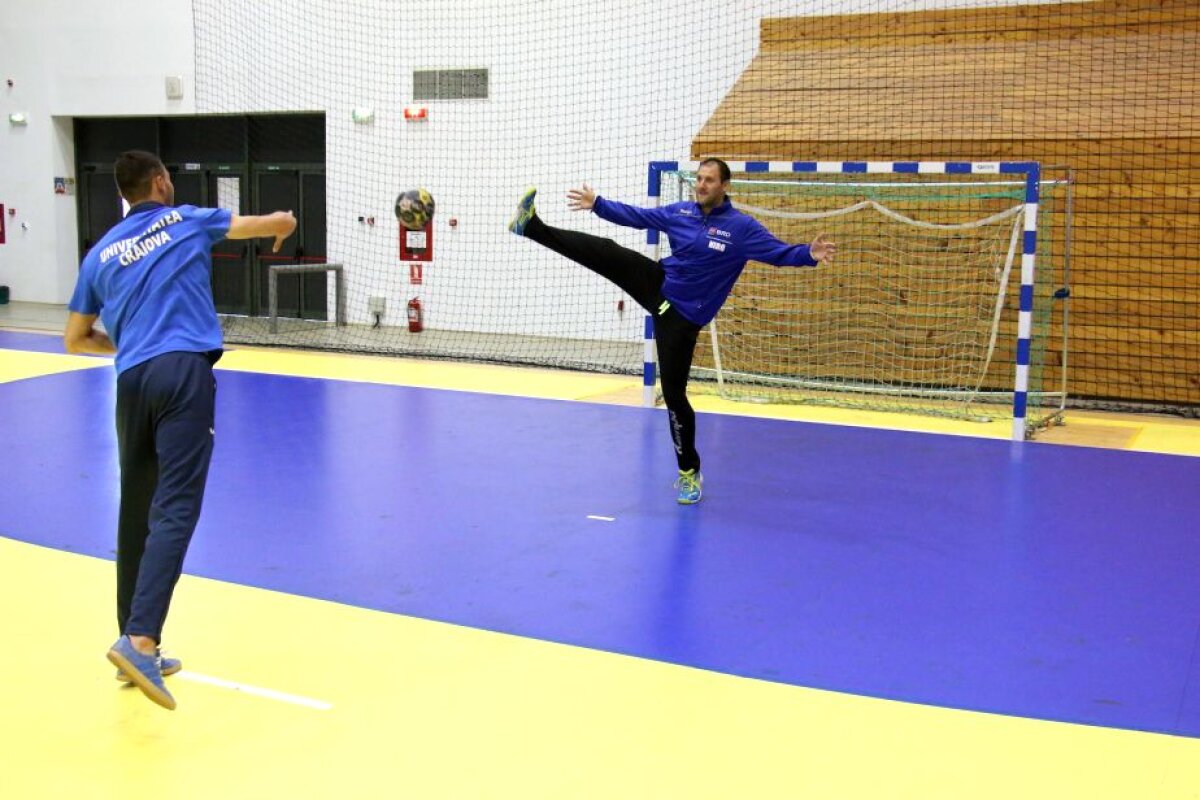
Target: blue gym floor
{"points": [[1026, 580]]}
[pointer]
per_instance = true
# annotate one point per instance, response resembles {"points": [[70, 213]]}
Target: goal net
{"points": [[919, 311]]}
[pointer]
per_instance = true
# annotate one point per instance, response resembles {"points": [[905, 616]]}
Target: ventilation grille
{"points": [[450, 84]]}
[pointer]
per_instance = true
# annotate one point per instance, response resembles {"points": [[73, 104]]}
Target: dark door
{"points": [[231, 281], [301, 191], [189, 188], [251, 164], [312, 247], [102, 205], [213, 187]]}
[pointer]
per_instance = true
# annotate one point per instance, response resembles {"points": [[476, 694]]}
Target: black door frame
{"points": [[255, 139]]}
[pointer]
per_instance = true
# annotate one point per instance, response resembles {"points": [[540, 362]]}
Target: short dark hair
{"points": [[722, 167], [134, 170]]}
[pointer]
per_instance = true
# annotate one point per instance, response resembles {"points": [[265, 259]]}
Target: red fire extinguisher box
{"points": [[417, 245]]}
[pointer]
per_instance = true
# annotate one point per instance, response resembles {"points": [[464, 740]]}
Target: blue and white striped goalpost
{"points": [[1031, 170]]}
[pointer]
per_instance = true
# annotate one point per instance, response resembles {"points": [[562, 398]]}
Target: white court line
{"points": [[602, 519], [270, 694]]}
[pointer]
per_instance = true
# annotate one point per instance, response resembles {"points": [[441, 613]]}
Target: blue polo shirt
{"points": [[708, 251], [150, 280]]}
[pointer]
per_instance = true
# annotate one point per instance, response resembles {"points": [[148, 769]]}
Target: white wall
{"points": [[70, 59]]}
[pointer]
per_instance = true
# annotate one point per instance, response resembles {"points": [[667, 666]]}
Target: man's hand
{"points": [[287, 224], [581, 199], [81, 337], [822, 249]]}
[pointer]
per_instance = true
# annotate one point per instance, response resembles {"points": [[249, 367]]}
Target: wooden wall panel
{"points": [[1110, 90]]}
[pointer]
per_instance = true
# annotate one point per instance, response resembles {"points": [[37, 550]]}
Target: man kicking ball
{"points": [[711, 242]]}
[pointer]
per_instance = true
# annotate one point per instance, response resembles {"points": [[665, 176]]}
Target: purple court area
{"points": [[32, 342], [1032, 580]]}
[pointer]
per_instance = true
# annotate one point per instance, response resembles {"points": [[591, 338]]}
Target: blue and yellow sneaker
{"points": [[166, 665], [525, 212], [143, 670], [688, 485]]}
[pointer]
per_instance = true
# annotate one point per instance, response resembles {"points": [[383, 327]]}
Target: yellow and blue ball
{"points": [[414, 208]]}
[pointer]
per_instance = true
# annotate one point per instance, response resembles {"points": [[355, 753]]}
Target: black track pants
{"points": [[641, 278]]}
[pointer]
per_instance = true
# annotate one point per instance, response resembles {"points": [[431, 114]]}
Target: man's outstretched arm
{"points": [[281, 224], [585, 199], [762, 245]]}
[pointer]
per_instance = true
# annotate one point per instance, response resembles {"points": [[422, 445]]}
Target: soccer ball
{"points": [[414, 208]]}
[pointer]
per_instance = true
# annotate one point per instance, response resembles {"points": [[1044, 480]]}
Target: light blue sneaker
{"points": [[167, 666], [143, 670], [688, 485], [525, 212]]}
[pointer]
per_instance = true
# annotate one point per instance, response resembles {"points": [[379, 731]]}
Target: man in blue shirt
{"points": [[149, 281], [711, 242]]}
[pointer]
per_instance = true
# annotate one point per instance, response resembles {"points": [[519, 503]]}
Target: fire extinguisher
{"points": [[414, 315]]}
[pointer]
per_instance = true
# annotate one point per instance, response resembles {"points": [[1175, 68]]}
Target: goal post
{"points": [[933, 293]]}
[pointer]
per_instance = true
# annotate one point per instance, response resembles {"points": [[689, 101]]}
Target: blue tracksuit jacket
{"points": [[708, 252]]}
